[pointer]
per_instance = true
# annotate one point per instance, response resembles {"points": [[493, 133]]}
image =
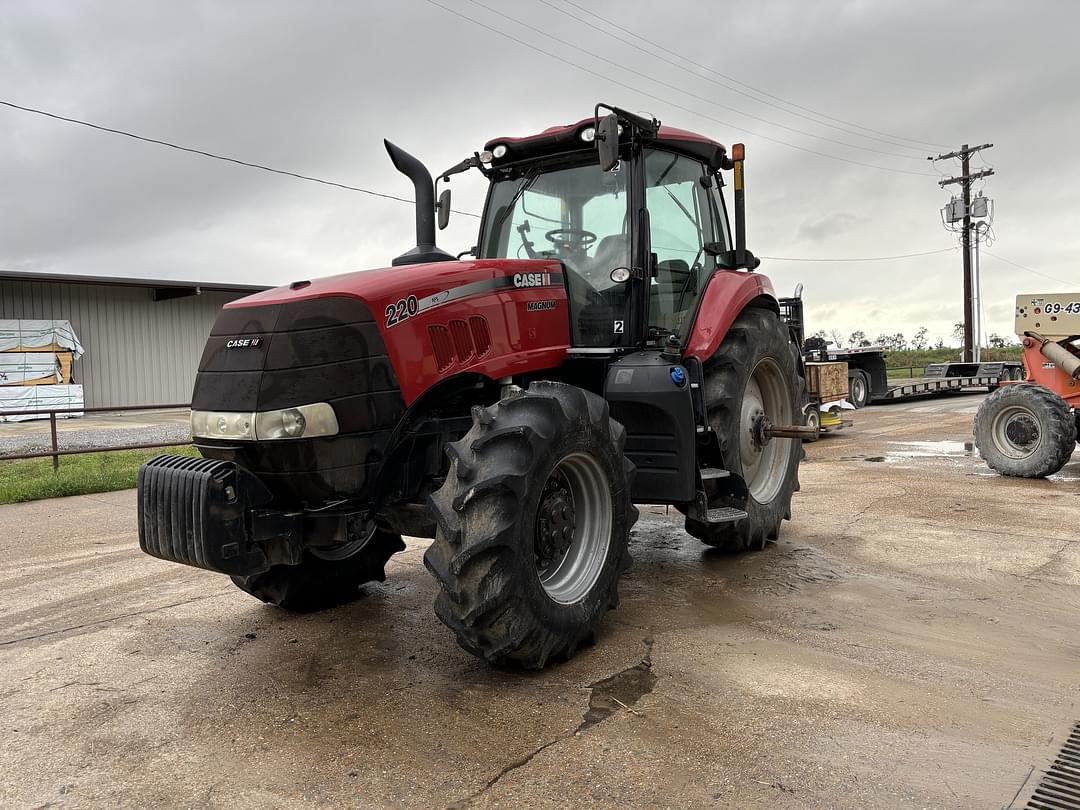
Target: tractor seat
{"points": [[673, 277], [611, 252]]}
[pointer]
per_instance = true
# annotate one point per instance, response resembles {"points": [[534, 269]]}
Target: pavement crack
{"points": [[84, 625], [510, 768], [619, 691], [606, 696]]}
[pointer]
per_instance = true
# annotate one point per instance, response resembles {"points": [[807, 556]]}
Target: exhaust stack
{"points": [[426, 249]]}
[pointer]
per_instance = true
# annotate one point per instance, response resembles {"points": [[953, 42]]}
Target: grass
{"points": [[34, 479], [903, 358]]}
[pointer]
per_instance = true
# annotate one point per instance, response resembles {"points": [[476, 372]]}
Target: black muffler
{"points": [[426, 249]]}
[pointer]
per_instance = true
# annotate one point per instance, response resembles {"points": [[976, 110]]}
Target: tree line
{"points": [[899, 342]]}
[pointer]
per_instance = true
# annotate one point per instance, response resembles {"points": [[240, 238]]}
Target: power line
{"points": [[749, 86], [677, 89], [224, 158], [724, 84], [858, 258], [655, 97], [1028, 269]]}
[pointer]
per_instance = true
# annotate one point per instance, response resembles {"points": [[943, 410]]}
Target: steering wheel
{"points": [[571, 238]]}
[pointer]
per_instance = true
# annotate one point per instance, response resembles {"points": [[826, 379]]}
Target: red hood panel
{"points": [[494, 317]]}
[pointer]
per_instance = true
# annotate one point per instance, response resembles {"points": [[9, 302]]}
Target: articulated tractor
{"points": [[606, 343]]}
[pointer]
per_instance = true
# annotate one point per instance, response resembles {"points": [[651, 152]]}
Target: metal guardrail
{"points": [[909, 374], [56, 452]]}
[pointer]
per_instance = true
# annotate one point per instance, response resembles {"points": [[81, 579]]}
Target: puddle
{"points": [[933, 449], [625, 688]]}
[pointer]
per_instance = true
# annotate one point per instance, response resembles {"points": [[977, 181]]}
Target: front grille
{"points": [[319, 350]]}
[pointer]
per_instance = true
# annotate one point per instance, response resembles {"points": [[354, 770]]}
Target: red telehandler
{"points": [[606, 343], [1029, 429]]}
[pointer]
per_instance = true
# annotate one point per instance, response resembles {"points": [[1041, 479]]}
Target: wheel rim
{"points": [[764, 464], [812, 419], [1016, 432], [573, 528], [345, 550], [858, 389]]}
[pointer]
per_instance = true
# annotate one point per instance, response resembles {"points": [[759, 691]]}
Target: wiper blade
{"points": [[509, 207]]}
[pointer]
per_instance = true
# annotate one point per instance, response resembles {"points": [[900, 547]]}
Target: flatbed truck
{"points": [[868, 377]]}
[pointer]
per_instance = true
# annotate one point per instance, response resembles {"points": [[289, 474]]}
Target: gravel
{"points": [[36, 436]]}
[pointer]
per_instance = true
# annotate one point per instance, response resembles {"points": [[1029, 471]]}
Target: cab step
{"points": [[712, 473], [724, 514]]}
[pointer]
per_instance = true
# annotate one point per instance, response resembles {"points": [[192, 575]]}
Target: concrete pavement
{"points": [[912, 641]]}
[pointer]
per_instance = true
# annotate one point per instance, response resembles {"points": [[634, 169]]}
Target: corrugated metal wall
{"points": [[138, 351]]}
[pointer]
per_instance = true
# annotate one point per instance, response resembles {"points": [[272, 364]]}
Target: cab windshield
{"points": [[576, 215]]}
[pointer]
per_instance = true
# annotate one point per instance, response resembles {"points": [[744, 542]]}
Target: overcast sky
{"points": [[313, 87]]}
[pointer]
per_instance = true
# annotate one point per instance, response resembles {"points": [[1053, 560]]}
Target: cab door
{"points": [[684, 216]]}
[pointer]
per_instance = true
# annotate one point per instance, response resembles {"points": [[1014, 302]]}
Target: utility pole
{"points": [[966, 178]]}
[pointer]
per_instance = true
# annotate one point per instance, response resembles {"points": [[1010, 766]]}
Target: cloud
{"points": [[827, 227], [315, 91]]}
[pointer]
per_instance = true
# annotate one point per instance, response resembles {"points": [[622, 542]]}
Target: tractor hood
{"points": [[410, 327]]}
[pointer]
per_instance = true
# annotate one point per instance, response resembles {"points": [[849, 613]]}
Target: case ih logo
{"points": [[243, 343], [532, 279]]}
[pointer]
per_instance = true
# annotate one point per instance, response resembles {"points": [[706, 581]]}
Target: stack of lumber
{"points": [[36, 360], [827, 382]]}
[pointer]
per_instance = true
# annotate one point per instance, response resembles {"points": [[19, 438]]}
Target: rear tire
{"points": [[317, 583], [1025, 430], [757, 346], [533, 525], [859, 389]]}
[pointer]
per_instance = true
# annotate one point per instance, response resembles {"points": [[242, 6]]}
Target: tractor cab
{"points": [[638, 239]]}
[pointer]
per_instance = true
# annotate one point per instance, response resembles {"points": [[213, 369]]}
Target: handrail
{"points": [[56, 452]]}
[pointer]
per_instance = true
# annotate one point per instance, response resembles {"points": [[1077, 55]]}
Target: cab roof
{"points": [[568, 136]]}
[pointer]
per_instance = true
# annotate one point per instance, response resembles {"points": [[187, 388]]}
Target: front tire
{"points": [[1025, 430], [533, 524], [755, 371], [318, 583]]}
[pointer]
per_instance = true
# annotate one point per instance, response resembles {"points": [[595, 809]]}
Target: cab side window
{"points": [[684, 217]]}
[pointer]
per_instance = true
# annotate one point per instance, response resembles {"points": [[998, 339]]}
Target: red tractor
{"points": [[1029, 429], [606, 343]]}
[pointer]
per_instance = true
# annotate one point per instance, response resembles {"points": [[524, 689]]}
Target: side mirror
{"points": [[443, 208], [607, 142], [729, 259]]}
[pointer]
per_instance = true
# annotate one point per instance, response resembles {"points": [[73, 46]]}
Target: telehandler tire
{"points": [[318, 583], [756, 370], [532, 526], [1025, 430]]}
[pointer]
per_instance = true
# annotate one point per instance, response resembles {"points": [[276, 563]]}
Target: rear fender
{"points": [[728, 293]]}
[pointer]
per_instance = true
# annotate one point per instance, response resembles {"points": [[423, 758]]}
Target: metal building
{"points": [[143, 338]]}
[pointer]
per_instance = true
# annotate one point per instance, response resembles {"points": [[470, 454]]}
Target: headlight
{"points": [[498, 151], [303, 421], [306, 421], [220, 425]]}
